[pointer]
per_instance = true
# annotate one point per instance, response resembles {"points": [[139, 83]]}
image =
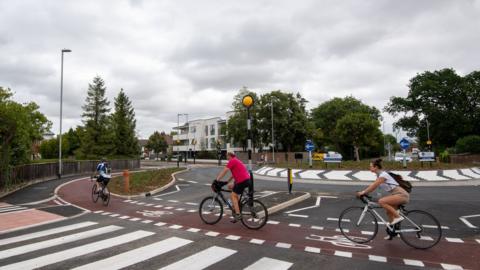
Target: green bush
{"points": [[468, 144], [444, 156]]}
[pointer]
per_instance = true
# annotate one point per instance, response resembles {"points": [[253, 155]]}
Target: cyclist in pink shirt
{"points": [[241, 178]]}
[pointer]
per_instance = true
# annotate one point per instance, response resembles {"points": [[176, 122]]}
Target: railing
{"points": [[26, 173]]}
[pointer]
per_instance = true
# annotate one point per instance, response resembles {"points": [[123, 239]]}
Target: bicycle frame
{"points": [[372, 205], [219, 194]]}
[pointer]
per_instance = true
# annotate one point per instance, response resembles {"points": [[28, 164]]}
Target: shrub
{"points": [[468, 144]]}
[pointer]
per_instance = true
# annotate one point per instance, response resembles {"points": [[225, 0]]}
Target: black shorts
{"points": [[239, 188], [103, 180]]}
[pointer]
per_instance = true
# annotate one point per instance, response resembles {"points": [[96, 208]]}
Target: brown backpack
{"points": [[402, 183]]}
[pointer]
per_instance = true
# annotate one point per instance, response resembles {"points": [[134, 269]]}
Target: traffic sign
{"points": [[404, 144], [309, 146]]}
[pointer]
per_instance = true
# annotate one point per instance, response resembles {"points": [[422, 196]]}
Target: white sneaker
{"points": [[397, 220]]}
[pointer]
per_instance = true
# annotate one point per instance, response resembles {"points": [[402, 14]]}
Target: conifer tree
{"points": [[124, 123]]}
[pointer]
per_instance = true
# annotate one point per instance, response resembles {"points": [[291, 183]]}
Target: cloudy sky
{"points": [[193, 56]]}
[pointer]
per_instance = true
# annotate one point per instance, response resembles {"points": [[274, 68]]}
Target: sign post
{"points": [[309, 147], [404, 144]]}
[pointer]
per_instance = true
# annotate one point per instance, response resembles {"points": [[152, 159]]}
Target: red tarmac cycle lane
{"points": [[462, 254]]}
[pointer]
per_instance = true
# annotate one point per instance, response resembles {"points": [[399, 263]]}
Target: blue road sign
{"points": [[404, 144], [309, 146]]}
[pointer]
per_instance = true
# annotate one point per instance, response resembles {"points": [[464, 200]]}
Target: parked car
{"points": [[399, 157]]}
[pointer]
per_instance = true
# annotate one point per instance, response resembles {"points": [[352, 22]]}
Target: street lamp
{"points": [[61, 112], [273, 140], [248, 103]]}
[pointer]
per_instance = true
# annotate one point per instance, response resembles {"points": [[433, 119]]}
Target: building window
{"points": [[206, 144], [212, 143], [193, 129], [206, 130], [212, 129]]}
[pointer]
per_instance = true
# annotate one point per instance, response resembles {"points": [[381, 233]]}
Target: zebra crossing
{"points": [[7, 208], [71, 244]]}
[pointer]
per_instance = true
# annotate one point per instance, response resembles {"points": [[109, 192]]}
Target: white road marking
{"points": [[149, 204], [158, 206], [294, 215], [269, 263], [193, 230], [176, 227], [294, 225], [283, 245], [257, 241], [146, 221], [366, 233], [137, 255], [273, 222], [451, 266], [312, 249], [413, 262], [56, 241], [159, 224], [176, 186], [454, 240], [115, 215], [97, 212], [233, 237], [77, 251], [174, 201], [343, 254], [210, 233], [377, 258], [135, 219], [193, 182], [202, 259], [34, 235], [470, 225], [317, 228], [191, 203]]}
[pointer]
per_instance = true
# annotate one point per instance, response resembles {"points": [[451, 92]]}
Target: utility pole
{"points": [[273, 138]]}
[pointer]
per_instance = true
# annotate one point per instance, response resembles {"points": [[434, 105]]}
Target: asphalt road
{"points": [[165, 230]]}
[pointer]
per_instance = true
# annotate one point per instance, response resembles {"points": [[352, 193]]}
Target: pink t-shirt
{"points": [[238, 169]]}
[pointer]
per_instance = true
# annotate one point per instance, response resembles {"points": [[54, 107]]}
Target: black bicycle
{"points": [[104, 193], [254, 214], [419, 229]]}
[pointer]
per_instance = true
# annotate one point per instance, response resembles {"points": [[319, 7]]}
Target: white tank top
{"points": [[389, 183]]}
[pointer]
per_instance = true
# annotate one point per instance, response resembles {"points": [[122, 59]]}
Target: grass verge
{"points": [[141, 182]]}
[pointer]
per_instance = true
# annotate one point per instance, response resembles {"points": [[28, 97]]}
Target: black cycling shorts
{"points": [[239, 188], [103, 180]]}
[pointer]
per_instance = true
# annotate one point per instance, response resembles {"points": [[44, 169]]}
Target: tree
{"points": [[450, 103], [96, 138], [358, 130], [291, 125], [326, 116], [72, 141], [20, 126], [157, 143], [124, 123]]}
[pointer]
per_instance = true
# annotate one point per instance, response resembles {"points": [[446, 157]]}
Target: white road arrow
{"points": [[464, 219], [317, 204]]}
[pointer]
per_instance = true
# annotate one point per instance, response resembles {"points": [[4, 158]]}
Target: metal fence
{"points": [[26, 173]]}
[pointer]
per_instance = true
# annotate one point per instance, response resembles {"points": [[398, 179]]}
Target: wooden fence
{"points": [[30, 172]]}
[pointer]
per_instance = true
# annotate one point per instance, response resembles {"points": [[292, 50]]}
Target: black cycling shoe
{"points": [[236, 218]]}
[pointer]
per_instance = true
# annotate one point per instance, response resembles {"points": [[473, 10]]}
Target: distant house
{"points": [[148, 153]]}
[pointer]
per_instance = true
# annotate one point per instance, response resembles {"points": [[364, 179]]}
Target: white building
{"points": [[200, 135]]}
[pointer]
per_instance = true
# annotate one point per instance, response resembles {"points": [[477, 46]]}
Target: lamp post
{"points": [[429, 142], [248, 103], [273, 140], [61, 112]]}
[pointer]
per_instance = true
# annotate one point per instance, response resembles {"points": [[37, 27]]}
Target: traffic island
{"points": [[278, 201]]}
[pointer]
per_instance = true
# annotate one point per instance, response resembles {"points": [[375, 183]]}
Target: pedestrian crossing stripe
{"points": [[202, 259], [11, 208], [77, 251], [45, 233], [269, 263], [137, 255], [56, 241]]}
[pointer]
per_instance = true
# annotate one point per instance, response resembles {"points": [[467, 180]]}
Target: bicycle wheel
{"points": [[106, 196], [254, 214], [357, 226], [94, 193], [424, 230], [211, 210]]}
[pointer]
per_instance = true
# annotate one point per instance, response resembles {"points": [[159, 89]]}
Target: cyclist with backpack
{"points": [[103, 176], [396, 187]]}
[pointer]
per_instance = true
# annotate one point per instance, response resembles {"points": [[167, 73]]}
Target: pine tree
{"points": [[124, 123], [96, 138]]}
